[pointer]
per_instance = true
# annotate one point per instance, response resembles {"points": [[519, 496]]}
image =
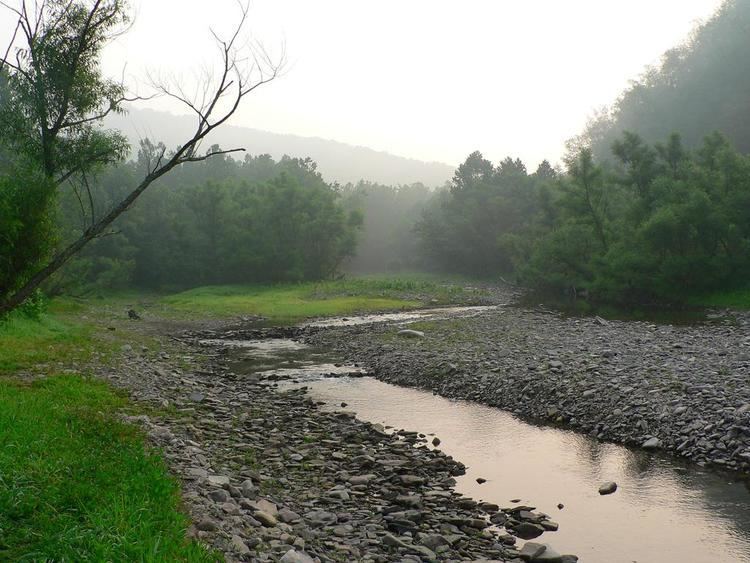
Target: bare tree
{"points": [[242, 69]]}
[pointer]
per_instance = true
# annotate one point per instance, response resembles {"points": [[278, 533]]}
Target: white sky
{"points": [[429, 79]]}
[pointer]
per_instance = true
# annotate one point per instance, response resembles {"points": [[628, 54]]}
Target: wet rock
{"points": [[607, 488], [528, 530], [531, 551]]}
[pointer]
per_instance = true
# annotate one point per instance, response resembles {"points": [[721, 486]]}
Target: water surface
{"points": [[664, 511]]}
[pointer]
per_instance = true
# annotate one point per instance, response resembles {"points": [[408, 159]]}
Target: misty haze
{"points": [[375, 281]]}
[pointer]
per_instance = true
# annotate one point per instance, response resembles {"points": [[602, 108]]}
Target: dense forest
{"points": [[661, 224], [215, 222], [651, 205], [700, 86]]}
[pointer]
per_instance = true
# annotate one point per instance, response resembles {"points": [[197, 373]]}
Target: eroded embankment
{"points": [[684, 389]]}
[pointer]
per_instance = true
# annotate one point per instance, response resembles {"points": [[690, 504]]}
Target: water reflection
{"points": [[418, 314], [662, 511]]}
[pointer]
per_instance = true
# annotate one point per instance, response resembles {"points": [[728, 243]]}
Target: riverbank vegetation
{"points": [[77, 483], [660, 225]]}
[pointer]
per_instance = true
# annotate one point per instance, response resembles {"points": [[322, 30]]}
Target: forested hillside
{"points": [[337, 162], [660, 225], [700, 86], [218, 221]]}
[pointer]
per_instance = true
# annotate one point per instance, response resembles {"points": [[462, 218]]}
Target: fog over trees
{"points": [[651, 203]]}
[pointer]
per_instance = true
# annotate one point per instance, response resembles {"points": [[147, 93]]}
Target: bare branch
{"points": [[209, 155], [231, 85], [113, 105]]}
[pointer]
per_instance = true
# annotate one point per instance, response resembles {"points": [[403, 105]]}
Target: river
{"points": [[664, 510]]}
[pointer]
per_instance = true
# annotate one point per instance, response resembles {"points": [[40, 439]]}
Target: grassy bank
{"points": [[291, 302], [733, 299], [76, 484]]}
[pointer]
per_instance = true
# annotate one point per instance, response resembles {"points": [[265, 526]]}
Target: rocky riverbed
{"points": [[268, 476], [682, 389]]}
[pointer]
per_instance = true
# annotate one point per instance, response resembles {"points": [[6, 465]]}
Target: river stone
{"points": [[288, 516], [652, 444], [264, 518], [408, 333], [318, 518], [293, 556], [218, 480], [339, 494], [248, 488], [411, 480], [219, 495], [433, 541], [239, 545], [267, 506], [207, 525], [392, 541], [362, 479], [549, 556], [532, 550], [608, 488], [528, 531], [230, 508], [411, 501], [197, 473]]}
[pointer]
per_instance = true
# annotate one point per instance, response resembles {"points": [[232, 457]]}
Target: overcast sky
{"points": [[429, 79]]}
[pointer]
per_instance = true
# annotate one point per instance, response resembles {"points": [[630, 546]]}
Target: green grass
{"points": [[733, 299], [290, 302], [78, 485], [28, 344]]}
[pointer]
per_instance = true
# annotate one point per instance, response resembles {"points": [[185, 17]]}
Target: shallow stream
{"points": [[664, 510]]}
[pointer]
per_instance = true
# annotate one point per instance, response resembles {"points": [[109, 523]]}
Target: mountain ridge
{"points": [[337, 161]]}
